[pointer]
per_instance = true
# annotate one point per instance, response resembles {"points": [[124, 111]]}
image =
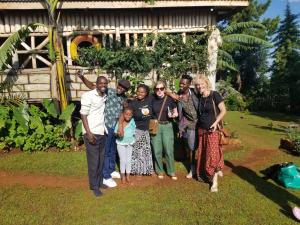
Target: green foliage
{"points": [[285, 77], [33, 129], [173, 57], [170, 57], [248, 47], [234, 100], [8, 47]]}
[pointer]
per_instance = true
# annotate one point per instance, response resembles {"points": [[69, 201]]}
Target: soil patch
{"points": [[253, 159]]}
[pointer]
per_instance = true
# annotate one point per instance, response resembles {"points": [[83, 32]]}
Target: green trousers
{"points": [[163, 141]]}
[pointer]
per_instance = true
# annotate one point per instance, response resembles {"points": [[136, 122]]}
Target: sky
{"points": [[277, 8]]}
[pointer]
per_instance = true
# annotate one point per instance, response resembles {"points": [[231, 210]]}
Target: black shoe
{"points": [[103, 186], [97, 192]]}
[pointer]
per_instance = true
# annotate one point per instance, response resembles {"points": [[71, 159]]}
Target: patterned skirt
{"points": [[210, 156], [141, 159]]}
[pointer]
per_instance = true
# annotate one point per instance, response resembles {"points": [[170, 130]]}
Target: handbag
{"points": [[153, 124], [223, 133]]}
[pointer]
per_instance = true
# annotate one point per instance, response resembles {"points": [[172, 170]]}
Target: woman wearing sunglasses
{"points": [[164, 109]]}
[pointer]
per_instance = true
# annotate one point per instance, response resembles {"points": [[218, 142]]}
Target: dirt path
{"points": [[251, 160]]}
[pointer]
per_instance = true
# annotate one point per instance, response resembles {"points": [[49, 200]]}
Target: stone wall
{"points": [[34, 84]]}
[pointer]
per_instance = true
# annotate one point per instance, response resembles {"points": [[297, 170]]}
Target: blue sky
{"points": [[277, 8]]}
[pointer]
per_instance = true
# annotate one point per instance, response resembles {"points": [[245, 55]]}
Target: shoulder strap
{"points": [[162, 108], [220, 124]]}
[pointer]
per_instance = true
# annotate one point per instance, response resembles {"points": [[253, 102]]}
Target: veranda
{"points": [[105, 22]]}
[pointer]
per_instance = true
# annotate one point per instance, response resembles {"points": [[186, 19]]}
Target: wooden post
{"points": [[127, 41], [33, 55], [69, 51], [135, 38], [183, 37]]}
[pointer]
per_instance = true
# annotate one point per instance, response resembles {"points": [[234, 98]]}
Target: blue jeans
{"points": [[110, 154], [95, 158]]}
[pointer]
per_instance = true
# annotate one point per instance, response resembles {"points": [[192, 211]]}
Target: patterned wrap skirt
{"points": [[141, 160], [210, 155]]}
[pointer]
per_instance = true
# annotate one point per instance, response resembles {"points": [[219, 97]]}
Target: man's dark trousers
{"points": [[110, 154], [95, 159]]}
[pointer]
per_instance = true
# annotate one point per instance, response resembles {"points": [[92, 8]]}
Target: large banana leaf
{"points": [[10, 44]]}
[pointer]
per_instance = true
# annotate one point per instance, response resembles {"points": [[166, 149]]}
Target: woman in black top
{"points": [[163, 140], [141, 161], [210, 112]]}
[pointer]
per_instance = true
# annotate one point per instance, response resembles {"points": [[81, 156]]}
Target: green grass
{"points": [[244, 197]]}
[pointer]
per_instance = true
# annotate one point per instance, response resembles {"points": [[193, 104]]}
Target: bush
{"points": [[33, 129], [234, 100]]}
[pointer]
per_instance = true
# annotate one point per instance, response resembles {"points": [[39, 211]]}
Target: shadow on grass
{"points": [[268, 128], [277, 194], [278, 116]]}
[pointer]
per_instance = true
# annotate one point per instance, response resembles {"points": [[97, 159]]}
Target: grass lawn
{"points": [[244, 197]]}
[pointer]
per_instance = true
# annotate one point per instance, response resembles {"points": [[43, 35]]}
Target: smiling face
{"points": [[127, 115], [101, 85], [160, 90], [141, 93], [184, 85], [120, 90], [202, 86]]}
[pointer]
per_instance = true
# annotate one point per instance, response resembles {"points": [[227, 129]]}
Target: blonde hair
{"points": [[160, 82], [202, 78]]}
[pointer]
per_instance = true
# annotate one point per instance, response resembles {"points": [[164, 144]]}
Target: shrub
{"points": [[33, 129], [233, 99]]}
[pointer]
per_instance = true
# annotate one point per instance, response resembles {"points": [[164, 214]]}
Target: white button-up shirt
{"points": [[92, 105]]}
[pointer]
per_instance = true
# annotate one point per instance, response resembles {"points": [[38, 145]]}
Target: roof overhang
{"points": [[90, 4]]}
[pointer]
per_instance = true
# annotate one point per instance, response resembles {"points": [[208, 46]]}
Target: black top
{"points": [[206, 110], [157, 104], [142, 111]]}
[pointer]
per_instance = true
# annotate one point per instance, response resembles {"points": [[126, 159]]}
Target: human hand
{"points": [[80, 73], [120, 132], [91, 138], [213, 127]]}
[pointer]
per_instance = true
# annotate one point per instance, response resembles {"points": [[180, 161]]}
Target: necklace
{"points": [[203, 103]]}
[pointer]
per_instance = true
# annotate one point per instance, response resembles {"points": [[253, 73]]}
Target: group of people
{"points": [[112, 122]]}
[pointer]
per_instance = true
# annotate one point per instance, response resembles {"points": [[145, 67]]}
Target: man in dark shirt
{"points": [[187, 109]]}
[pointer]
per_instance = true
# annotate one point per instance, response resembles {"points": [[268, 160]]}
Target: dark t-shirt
{"points": [[206, 110], [142, 111], [157, 104]]}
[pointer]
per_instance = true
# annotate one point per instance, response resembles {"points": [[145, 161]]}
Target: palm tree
{"points": [[56, 52], [235, 41]]}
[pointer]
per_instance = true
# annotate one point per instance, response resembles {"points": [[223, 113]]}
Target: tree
{"points": [[55, 47], [286, 59], [249, 58]]}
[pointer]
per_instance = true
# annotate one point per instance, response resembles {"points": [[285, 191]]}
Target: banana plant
{"points": [[56, 52]]}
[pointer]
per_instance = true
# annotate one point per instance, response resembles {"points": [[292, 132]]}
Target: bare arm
{"points": [[172, 95], [221, 115], [87, 83], [121, 127]]}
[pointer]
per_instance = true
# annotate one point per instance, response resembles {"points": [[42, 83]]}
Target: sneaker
{"points": [[109, 183], [296, 212], [115, 175], [189, 175]]}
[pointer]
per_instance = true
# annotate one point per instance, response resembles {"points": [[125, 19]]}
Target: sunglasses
{"points": [[160, 89]]}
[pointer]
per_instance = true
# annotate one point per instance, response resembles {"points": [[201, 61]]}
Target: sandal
{"points": [[160, 176], [174, 177]]}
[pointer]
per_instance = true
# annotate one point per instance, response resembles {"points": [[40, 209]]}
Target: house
{"points": [[99, 22]]}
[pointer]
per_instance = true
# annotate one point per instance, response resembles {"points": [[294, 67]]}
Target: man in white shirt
{"points": [[92, 115]]}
